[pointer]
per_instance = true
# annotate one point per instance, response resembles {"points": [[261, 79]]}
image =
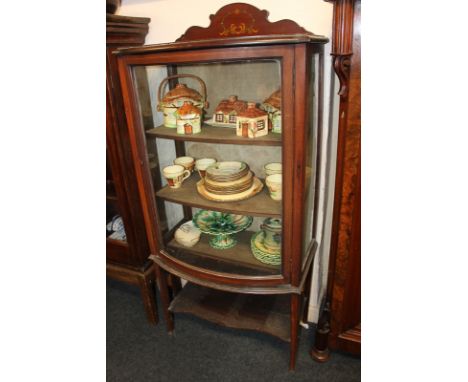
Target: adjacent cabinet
{"points": [[126, 243], [266, 78], [339, 326]]}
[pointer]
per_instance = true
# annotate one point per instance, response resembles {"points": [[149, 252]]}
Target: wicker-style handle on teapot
{"points": [[166, 80]]}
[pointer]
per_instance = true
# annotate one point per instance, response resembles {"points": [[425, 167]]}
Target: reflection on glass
{"points": [[311, 162], [239, 98]]}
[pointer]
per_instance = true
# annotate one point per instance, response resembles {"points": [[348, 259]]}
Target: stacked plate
{"points": [[229, 181], [228, 178], [262, 253]]}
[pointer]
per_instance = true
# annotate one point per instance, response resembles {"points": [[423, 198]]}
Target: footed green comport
{"points": [[222, 226]]}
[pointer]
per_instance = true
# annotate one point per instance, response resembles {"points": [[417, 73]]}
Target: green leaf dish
{"points": [[222, 226], [261, 253]]}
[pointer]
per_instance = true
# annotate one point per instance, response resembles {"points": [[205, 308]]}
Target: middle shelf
{"points": [[259, 205], [212, 134]]}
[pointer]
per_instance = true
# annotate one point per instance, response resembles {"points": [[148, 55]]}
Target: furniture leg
{"points": [[161, 276], [295, 305], [176, 285], [306, 301], [319, 351], [148, 294]]}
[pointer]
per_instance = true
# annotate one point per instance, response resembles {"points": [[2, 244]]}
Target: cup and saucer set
{"points": [[266, 243]]}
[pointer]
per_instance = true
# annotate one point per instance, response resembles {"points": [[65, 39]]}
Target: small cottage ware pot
{"points": [[273, 168], [252, 122], [272, 229], [272, 105], [188, 119], [175, 175], [202, 164], [187, 234], [274, 184], [174, 99], [187, 162]]}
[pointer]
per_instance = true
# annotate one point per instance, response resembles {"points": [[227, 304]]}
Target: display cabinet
{"points": [[242, 98]]}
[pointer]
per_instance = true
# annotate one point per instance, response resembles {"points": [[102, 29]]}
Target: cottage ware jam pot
{"points": [[272, 105], [170, 103], [252, 122], [188, 118]]}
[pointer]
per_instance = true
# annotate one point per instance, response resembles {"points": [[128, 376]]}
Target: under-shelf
{"points": [[236, 260], [211, 134], [264, 313], [258, 205]]}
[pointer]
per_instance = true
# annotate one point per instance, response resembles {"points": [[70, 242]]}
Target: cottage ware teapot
{"points": [[174, 99]]}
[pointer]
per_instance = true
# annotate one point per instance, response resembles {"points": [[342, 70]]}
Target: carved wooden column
{"points": [[339, 325]]}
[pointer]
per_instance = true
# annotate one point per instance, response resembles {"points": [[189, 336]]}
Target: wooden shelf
{"points": [[238, 259], [211, 134], [258, 205], [264, 313]]}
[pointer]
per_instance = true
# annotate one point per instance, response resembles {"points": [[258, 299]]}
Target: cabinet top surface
{"points": [[236, 24], [220, 43]]}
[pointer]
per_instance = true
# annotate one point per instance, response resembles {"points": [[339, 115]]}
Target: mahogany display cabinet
{"points": [[241, 53], [127, 251]]}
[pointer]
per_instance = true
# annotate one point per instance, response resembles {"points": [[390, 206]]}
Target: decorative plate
{"points": [[261, 253], [227, 171], [221, 225], [256, 187]]}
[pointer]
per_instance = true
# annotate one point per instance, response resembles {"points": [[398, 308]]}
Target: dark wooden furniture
{"points": [[126, 260], [339, 326], [240, 53]]}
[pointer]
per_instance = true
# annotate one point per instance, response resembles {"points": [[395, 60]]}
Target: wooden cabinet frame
{"points": [[127, 261]]}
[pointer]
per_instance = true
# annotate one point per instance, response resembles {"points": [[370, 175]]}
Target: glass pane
{"points": [[114, 225], [229, 112], [311, 161]]}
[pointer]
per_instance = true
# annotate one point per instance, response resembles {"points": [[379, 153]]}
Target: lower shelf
{"points": [[236, 260], [264, 313]]}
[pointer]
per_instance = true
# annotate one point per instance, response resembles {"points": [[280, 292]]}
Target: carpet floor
{"points": [[200, 351]]}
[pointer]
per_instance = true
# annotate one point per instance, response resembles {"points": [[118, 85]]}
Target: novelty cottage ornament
{"points": [[227, 111], [252, 122]]}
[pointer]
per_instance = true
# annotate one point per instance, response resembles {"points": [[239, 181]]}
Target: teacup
{"points": [[187, 162], [203, 164], [175, 175], [273, 168], [274, 184]]}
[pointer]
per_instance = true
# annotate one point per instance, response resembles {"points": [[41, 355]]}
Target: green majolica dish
{"points": [[222, 226]]}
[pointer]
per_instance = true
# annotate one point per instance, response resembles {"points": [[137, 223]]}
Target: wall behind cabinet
{"points": [[170, 19]]}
